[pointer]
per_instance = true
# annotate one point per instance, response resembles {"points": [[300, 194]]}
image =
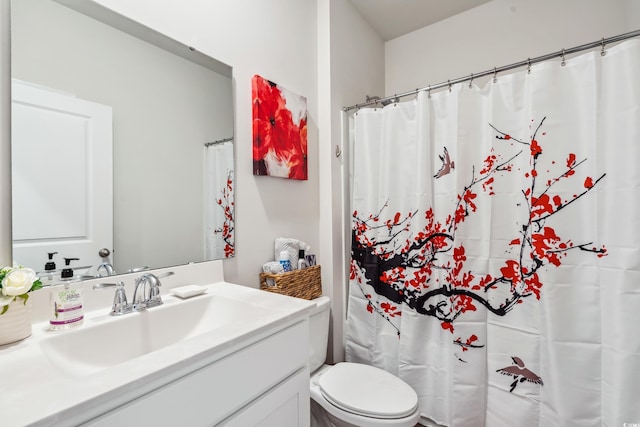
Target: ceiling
{"points": [[394, 18]]}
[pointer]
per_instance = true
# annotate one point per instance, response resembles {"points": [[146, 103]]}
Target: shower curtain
{"points": [[495, 263], [219, 201]]}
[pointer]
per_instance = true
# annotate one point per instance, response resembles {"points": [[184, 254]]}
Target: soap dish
{"points": [[188, 291]]}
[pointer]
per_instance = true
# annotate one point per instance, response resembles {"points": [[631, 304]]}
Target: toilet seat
{"points": [[367, 391]]}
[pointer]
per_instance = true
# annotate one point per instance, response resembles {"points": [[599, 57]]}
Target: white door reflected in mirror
{"points": [[62, 177]]}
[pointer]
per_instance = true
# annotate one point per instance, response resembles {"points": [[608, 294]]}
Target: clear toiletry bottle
{"points": [[285, 261], [66, 302], [302, 262]]}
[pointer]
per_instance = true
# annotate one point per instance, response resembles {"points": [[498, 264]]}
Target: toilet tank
{"points": [[319, 332]]}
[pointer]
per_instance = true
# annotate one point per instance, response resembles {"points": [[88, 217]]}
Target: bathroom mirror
{"points": [[167, 101]]}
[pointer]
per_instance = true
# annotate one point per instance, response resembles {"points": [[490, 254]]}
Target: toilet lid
{"points": [[367, 390]]}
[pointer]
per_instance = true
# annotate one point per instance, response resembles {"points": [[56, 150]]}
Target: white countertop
{"points": [[36, 393]]}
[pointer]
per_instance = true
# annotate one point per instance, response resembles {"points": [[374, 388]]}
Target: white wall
{"points": [[351, 65], [499, 33]]}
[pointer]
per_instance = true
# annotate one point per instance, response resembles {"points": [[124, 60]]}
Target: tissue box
{"points": [[305, 283]]}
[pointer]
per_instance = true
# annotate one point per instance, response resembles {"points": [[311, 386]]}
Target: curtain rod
{"points": [[219, 141], [601, 43]]}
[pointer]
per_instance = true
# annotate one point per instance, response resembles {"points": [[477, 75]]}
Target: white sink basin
{"points": [[111, 340]]}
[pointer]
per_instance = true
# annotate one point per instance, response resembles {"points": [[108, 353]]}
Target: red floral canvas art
{"points": [[279, 131]]}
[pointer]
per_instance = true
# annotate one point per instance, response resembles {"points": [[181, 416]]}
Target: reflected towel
{"points": [[272, 267]]}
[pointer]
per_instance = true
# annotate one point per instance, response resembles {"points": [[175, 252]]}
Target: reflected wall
{"points": [[164, 109]]}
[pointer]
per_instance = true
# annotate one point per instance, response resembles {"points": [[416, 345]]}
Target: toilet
{"points": [[353, 394]]}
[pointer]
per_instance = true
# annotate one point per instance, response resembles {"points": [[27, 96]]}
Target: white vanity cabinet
{"points": [[230, 356], [263, 383]]}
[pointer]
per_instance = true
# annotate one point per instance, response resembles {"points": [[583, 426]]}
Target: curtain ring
{"points": [[602, 51], [563, 63], [495, 75], [449, 82], [528, 65], [429, 92], [471, 81], [338, 151]]}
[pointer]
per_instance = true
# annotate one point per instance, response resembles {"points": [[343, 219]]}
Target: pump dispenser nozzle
{"points": [[50, 265], [68, 271]]}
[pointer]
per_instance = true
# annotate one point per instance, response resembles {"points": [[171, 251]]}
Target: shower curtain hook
{"points": [[602, 51], [449, 82], [429, 92], [528, 65], [563, 63], [471, 81], [495, 75]]}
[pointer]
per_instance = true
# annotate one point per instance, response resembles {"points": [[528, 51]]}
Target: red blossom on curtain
{"points": [[468, 343]]}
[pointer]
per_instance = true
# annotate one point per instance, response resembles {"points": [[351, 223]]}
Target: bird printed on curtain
{"points": [[447, 165], [520, 373]]}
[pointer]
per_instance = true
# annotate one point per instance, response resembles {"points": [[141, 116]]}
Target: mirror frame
{"points": [[6, 235]]}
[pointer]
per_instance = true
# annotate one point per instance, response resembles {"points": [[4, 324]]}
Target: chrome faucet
{"points": [[108, 268], [144, 298]]}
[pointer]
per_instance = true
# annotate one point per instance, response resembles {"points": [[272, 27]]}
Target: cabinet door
{"points": [[221, 390], [286, 405]]}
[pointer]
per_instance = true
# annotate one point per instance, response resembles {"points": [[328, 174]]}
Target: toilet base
{"points": [[319, 417]]}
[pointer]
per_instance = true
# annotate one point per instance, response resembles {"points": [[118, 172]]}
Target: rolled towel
{"points": [[272, 267], [292, 246]]}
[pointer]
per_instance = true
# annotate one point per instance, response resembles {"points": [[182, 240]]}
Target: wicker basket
{"points": [[305, 283]]}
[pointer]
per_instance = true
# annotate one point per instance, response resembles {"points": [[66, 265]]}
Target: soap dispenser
{"points": [[66, 302], [67, 272], [50, 266]]}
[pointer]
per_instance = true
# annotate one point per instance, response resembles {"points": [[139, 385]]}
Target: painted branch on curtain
{"points": [[227, 229], [426, 269]]}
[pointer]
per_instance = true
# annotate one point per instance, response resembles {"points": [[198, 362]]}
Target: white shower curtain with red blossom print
{"points": [[495, 260], [219, 201]]}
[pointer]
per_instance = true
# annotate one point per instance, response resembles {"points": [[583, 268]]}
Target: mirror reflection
{"points": [[110, 158]]}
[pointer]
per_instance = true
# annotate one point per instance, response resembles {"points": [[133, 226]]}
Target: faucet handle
{"points": [[120, 304], [154, 291], [154, 287]]}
